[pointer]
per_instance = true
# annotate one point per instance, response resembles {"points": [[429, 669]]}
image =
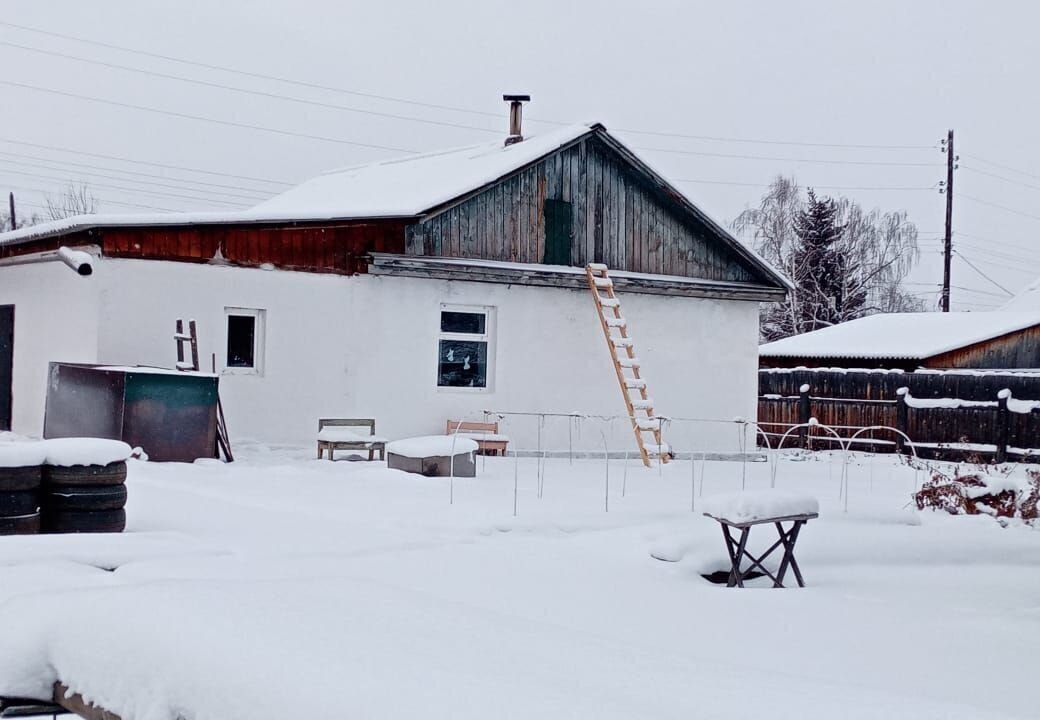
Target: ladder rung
{"points": [[635, 383], [617, 322], [185, 365], [602, 282], [661, 449], [597, 267], [608, 302], [628, 362], [621, 342], [643, 404], [648, 424], [181, 336]]}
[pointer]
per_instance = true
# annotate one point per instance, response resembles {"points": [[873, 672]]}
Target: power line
{"points": [[715, 138], [23, 188], [117, 158], [63, 164], [258, 93], [1003, 167], [153, 193], [987, 277], [1000, 177], [262, 76], [787, 159], [818, 187], [998, 207], [201, 118], [974, 290], [34, 166], [437, 106]]}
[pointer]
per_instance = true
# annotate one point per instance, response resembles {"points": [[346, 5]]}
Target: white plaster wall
{"points": [[55, 319], [366, 346]]}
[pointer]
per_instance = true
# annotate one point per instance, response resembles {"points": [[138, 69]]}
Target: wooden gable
{"points": [[620, 214]]}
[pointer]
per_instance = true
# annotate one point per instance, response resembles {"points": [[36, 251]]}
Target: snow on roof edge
{"points": [[903, 336]]}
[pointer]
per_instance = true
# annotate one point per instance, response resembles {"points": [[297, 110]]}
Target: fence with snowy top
{"points": [[988, 416]]}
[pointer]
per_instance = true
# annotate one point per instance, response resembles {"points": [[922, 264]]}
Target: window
{"points": [[463, 347], [558, 220], [245, 341]]}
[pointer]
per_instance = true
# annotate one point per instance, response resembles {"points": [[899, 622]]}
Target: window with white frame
{"points": [[464, 347], [244, 340]]}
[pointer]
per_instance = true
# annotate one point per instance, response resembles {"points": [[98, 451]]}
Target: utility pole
{"points": [[14, 222], [948, 245]]}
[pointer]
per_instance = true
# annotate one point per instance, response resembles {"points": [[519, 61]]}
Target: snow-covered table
{"points": [[743, 511], [434, 456]]}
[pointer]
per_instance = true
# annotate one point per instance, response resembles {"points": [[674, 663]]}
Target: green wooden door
{"points": [[558, 220]]}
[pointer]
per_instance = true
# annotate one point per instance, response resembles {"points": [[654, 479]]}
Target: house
{"points": [[907, 341], [410, 290]]}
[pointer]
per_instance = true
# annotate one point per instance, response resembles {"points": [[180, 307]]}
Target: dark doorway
{"points": [[558, 220], [6, 363]]}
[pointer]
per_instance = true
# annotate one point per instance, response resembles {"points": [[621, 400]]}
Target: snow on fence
{"points": [[1000, 425]]}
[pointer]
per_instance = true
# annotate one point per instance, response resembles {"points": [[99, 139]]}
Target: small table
{"points": [[737, 549]]}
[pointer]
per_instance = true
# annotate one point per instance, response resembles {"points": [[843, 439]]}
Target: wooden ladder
{"points": [[191, 338], [645, 425]]}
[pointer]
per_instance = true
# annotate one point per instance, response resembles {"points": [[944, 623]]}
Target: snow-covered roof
{"points": [[400, 187], [1028, 299], [403, 187], [413, 184], [901, 335]]}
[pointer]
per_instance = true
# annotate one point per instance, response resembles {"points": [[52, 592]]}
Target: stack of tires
{"points": [[84, 486], [88, 498], [20, 479]]}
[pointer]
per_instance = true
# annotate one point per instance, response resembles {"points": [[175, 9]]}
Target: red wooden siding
{"points": [[330, 247]]}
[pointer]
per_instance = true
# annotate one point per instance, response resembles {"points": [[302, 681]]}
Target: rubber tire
{"points": [[92, 475], [84, 498], [20, 525], [21, 502], [99, 521], [13, 479]]}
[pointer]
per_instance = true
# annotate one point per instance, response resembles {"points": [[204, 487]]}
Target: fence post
{"points": [[902, 410], [804, 413], [1003, 424]]}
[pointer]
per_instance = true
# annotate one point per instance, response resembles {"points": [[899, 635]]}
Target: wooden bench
{"points": [[489, 441], [340, 434]]}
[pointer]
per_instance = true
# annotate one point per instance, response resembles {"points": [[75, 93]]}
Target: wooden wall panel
{"points": [[617, 218]]}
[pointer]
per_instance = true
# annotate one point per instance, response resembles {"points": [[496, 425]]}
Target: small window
{"points": [[463, 348], [558, 221], [245, 332]]}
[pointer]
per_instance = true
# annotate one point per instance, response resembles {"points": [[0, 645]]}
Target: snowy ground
{"points": [[281, 586]]}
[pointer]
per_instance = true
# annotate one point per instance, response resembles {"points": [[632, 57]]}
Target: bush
{"points": [[999, 495]]}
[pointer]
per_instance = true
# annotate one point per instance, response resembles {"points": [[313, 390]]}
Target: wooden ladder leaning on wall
{"points": [[191, 338], [645, 425]]}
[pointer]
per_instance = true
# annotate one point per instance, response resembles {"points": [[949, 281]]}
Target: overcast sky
{"points": [[787, 75]]}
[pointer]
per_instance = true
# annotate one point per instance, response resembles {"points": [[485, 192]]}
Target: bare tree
{"points": [[76, 199], [879, 250]]}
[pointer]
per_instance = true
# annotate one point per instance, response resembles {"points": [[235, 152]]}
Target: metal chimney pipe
{"points": [[515, 117]]}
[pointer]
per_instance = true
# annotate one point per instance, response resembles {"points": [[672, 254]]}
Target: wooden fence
{"points": [[949, 415]]}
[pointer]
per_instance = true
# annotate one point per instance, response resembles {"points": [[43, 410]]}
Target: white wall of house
{"points": [[55, 318], [367, 346]]}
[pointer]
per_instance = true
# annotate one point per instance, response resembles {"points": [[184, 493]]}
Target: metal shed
{"points": [[171, 415]]}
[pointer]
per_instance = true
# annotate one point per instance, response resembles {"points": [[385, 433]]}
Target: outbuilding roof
{"points": [[911, 336]]}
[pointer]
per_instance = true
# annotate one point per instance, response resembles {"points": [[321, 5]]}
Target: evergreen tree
{"points": [[824, 274]]}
